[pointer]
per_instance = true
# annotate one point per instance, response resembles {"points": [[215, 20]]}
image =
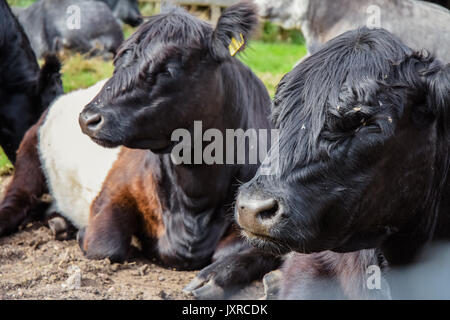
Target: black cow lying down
{"points": [[363, 153], [174, 70], [80, 25], [25, 89], [417, 23]]}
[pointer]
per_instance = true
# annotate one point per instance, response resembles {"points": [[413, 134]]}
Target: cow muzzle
{"points": [[258, 215], [90, 123]]}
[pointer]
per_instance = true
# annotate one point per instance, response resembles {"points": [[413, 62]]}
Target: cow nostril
{"points": [[258, 215], [90, 123], [270, 212], [94, 121]]}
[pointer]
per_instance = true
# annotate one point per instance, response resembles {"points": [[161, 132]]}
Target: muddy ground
{"points": [[33, 265]]}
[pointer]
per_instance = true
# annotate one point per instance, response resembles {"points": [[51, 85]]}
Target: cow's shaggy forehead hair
{"points": [[351, 74], [174, 32], [174, 26]]}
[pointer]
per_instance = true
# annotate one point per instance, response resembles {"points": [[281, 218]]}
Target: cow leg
{"points": [[272, 284], [235, 265], [23, 196], [109, 233], [311, 276], [61, 228], [91, 49]]}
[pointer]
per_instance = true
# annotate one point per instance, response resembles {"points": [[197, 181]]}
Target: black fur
{"points": [[236, 21], [25, 91], [364, 150]]}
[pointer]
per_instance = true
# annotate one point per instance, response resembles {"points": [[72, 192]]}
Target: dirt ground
{"points": [[33, 265]]}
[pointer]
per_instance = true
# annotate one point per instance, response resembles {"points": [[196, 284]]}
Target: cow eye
{"points": [[353, 122], [171, 70]]}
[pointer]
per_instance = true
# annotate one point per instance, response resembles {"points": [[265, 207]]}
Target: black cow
{"points": [[125, 10], [78, 25], [363, 153], [173, 71], [25, 90]]}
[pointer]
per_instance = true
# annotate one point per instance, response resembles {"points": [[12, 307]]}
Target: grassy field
{"points": [[5, 165], [270, 60], [20, 3]]}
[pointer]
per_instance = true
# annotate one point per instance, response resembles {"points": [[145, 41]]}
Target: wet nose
{"points": [[257, 215], [139, 20], [90, 122]]}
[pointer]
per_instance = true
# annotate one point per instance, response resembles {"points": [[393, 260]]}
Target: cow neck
{"points": [[199, 188], [202, 188], [197, 200]]}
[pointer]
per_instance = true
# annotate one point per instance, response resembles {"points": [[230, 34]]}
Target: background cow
{"points": [[25, 89], [181, 213], [444, 3], [126, 11], [417, 23], [363, 160], [53, 25]]}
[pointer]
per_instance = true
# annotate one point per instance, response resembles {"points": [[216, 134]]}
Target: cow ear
{"points": [[438, 88], [233, 30], [49, 84]]}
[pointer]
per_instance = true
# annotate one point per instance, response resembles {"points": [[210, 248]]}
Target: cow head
{"points": [[167, 74], [363, 148], [126, 11]]}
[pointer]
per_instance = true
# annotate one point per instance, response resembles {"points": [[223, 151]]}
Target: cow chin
{"points": [[281, 241], [266, 244], [155, 146], [105, 143]]}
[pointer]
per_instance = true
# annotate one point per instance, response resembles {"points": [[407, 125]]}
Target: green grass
{"points": [[5, 165], [82, 73], [270, 61], [20, 3]]}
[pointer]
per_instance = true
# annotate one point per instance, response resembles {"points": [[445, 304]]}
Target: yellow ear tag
{"points": [[236, 45]]}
